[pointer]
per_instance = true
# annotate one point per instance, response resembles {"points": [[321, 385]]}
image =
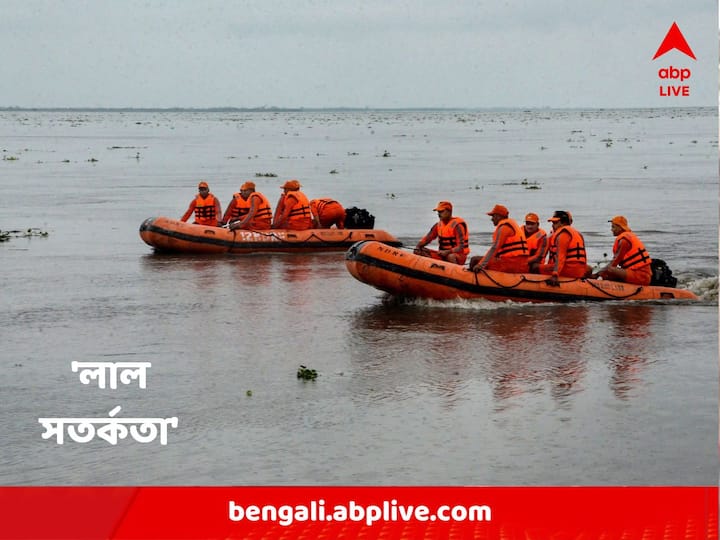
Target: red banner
{"points": [[607, 513]]}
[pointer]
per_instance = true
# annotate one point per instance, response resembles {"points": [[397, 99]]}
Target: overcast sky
{"points": [[358, 53]]}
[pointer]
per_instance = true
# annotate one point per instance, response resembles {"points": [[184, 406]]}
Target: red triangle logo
{"points": [[674, 40]]}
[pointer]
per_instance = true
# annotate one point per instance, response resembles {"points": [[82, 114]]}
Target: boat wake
{"points": [[706, 288]]}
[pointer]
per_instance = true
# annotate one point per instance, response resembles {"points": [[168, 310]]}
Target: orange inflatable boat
{"points": [[166, 234], [401, 273]]}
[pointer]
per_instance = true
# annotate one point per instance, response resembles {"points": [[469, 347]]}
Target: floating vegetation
{"points": [[306, 373], [10, 158], [529, 185], [248, 393], [266, 175], [7, 235]]}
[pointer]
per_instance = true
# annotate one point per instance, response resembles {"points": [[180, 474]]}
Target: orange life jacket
{"points": [[240, 208], [446, 234], [300, 217], [263, 213], [515, 245], [317, 206], [576, 247], [534, 242], [205, 211], [637, 256]]}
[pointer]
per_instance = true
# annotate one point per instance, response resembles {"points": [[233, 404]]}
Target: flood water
{"points": [[408, 393]]}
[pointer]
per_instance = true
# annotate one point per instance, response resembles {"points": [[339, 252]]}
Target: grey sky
{"points": [[372, 53]]}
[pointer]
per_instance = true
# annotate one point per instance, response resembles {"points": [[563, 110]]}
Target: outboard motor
{"points": [[359, 218], [661, 274]]}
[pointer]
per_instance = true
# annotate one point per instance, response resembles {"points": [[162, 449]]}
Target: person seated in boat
{"points": [[537, 240], [631, 261], [206, 207], [452, 234], [326, 213], [566, 250], [249, 209], [293, 209], [509, 251]]}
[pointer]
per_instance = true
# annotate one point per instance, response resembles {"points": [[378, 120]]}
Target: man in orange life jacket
{"points": [[508, 252], [293, 209], [537, 241], [326, 213], [249, 209], [631, 262], [206, 207], [566, 250], [452, 235]]}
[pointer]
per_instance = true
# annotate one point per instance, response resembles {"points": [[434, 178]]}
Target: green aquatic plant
{"points": [[7, 235], [306, 374]]}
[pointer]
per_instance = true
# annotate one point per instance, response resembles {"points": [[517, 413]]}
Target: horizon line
{"points": [[326, 109]]}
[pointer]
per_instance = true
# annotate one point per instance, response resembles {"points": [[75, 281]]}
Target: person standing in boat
{"points": [[326, 213], [293, 209], [206, 207], [452, 235], [249, 209], [566, 251], [509, 250], [631, 261], [537, 240]]}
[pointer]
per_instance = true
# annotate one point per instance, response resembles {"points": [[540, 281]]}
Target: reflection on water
{"points": [[515, 349], [630, 334]]}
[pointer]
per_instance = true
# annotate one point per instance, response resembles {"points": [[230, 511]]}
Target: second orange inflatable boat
{"points": [[404, 274], [166, 234]]}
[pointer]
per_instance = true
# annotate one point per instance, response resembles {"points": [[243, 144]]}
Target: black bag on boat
{"points": [[661, 274], [359, 218]]}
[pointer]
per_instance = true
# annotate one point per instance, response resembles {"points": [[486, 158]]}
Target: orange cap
{"points": [[621, 222], [292, 185], [559, 215], [534, 218], [203, 184], [247, 185], [499, 210], [443, 205]]}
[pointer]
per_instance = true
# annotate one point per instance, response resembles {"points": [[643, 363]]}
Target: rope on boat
{"points": [[611, 295], [343, 240], [524, 279]]}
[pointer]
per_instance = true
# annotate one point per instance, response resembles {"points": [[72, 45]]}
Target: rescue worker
{"points": [[206, 207], [566, 250], [537, 241], [508, 252], [293, 209], [326, 213], [249, 209], [452, 235], [631, 261]]}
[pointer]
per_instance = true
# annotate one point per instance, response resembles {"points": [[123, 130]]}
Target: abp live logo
{"points": [[674, 39]]}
